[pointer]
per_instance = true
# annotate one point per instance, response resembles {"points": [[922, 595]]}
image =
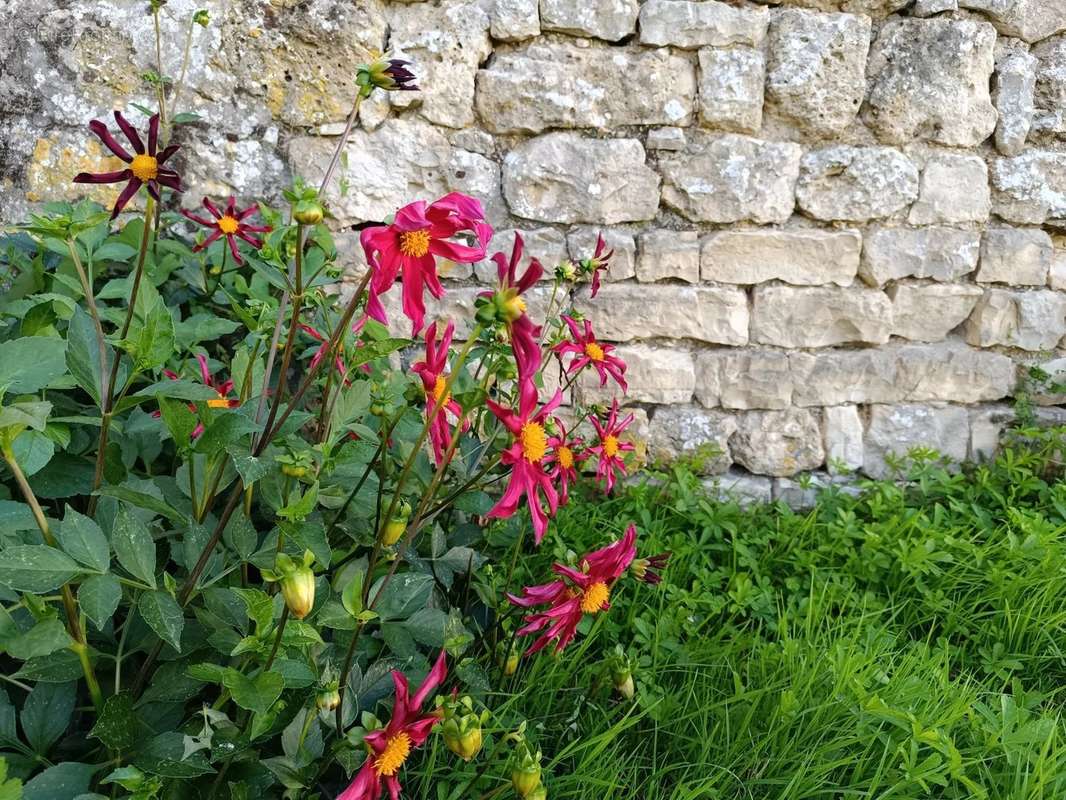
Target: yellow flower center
{"points": [[595, 597], [610, 446], [438, 389], [228, 225], [534, 442], [516, 307], [594, 351], [397, 748], [144, 168], [414, 243], [565, 456], [218, 402]]}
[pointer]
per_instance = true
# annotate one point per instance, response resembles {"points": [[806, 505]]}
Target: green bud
{"points": [[308, 212], [201, 17]]}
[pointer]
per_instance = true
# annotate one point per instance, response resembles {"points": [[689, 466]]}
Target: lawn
{"points": [[904, 643]]}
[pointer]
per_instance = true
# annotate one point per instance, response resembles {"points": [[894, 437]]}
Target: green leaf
{"points": [[47, 714], [99, 597], [226, 429], [250, 468], [405, 594], [371, 351], [303, 507], [427, 627], [118, 727], [83, 354], [260, 607], [135, 497], [296, 674], [309, 535], [16, 517], [42, 639], [203, 328], [256, 695], [33, 450], [62, 782], [352, 595], [180, 421], [81, 539], [241, 536], [150, 341], [60, 667], [163, 615], [163, 756], [134, 546], [36, 568], [19, 416], [29, 364]]}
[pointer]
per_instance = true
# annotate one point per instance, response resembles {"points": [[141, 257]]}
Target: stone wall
{"points": [[837, 223]]}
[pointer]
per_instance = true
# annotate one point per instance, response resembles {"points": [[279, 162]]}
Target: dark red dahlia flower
{"points": [[230, 224]]}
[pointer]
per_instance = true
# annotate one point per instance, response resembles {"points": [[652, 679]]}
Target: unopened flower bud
{"points": [[525, 779], [308, 212], [623, 682], [293, 470], [396, 526], [328, 699], [298, 585], [540, 793], [510, 664], [647, 569], [389, 74], [464, 743], [202, 17], [566, 271]]}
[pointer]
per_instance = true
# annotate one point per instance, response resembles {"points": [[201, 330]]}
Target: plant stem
{"points": [[162, 91], [277, 639], [340, 145], [184, 66], [94, 312], [297, 307], [105, 398], [74, 623]]}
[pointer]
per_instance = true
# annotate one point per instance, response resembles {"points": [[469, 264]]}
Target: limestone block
{"points": [[1030, 188], [743, 379], [929, 312], [843, 438], [702, 313], [731, 88], [952, 189], [943, 254], [655, 374], [818, 317], [895, 430], [699, 23], [1012, 92], [856, 184], [800, 257], [780, 443], [1018, 256], [697, 435], [605, 19], [666, 254], [1034, 320]]}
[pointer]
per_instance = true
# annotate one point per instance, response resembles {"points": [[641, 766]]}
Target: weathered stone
{"points": [[1012, 93], [843, 439], [1031, 20], [819, 317], [1056, 278], [927, 8], [943, 254], [740, 487], [590, 88], [1044, 392], [1049, 90], [952, 189], [565, 177], [928, 313], [817, 74], [987, 426], [666, 139], [948, 372], [1033, 320], [623, 264], [513, 20], [1030, 188], [730, 178], [547, 245], [895, 430], [655, 375], [839, 377], [668, 254], [605, 19], [780, 443], [856, 184], [692, 24], [731, 88], [447, 42], [800, 257], [703, 313], [803, 494], [929, 80], [1018, 256], [743, 379], [951, 372], [699, 437], [478, 176], [384, 169]]}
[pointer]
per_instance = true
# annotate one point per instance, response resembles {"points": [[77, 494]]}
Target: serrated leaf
{"points": [[134, 546], [163, 756], [29, 364], [118, 726], [36, 568], [46, 714], [163, 615], [404, 595], [179, 421], [256, 694], [241, 536], [42, 639], [83, 354], [60, 667], [227, 428], [149, 502], [99, 597], [303, 507], [64, 781], [309, 535], [150, 340], [259, 605], [81, 539], [250, 468]]}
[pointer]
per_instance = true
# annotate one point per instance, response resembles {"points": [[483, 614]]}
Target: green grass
{"points": [[907, 643]]}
